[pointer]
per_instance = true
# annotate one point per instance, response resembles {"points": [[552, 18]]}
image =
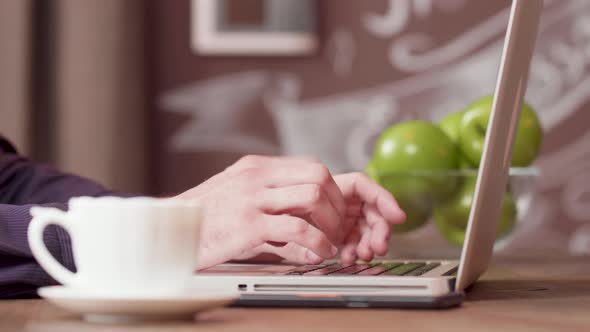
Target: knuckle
{"points": [[254, 228], [309, 159], [250, 216], [257, 200], [249, 161], [315, 194], [359, 175], [322, 174], [300, 227], [316, 241], [248, 173], [301, 256], [294, 251]]}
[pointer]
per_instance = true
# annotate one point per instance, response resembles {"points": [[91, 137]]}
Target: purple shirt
{"points": [[23, 184]]}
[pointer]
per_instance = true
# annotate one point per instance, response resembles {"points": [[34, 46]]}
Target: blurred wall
{"points": [[380, 62], [100, 126], [15, 56], [72, 86]]}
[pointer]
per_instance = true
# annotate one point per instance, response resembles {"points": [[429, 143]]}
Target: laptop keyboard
{"points": [[371, 269]]}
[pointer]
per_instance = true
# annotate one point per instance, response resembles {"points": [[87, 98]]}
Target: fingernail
{"points": [[402, 217], [312, 256], [334, 251]]}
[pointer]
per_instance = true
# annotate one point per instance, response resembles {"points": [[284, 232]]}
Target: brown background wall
{"points": [[211, 110]]}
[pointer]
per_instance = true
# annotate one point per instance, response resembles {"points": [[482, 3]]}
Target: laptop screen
{"points": [[492, 177]]}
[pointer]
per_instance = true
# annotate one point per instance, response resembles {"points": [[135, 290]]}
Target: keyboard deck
{"points": [[370, 269]]}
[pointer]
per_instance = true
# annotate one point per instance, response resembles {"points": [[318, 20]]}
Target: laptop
{"points": [[432, 283]]}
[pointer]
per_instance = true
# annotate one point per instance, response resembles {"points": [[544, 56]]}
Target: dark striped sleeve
{"points": [[17, 265], [24, 184]]}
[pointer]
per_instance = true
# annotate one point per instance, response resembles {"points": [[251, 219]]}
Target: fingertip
{"points": [[313, 258], [365, 254], [381, 248], [402, 216], [369, 257], [348, 253], [345, 260], [334, 251], [394, 215], [389, 209], [348, 257]]}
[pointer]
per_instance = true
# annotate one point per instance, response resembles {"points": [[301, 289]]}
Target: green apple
{"points": [[452, 217], [475, 122], [451, 125], [414, 146], [407, 157], [418, 211], [372, 172], [414, 195], [411, 193], [454, 235], [420, 150], [466, 164]]}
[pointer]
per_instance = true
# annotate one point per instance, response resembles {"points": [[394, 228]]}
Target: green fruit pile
{"points": [[417, 161]]}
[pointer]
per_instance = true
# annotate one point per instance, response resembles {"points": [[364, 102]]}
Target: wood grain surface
{"points": [[512, 296]]}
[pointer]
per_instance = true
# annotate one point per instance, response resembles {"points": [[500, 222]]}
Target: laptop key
{"points": [[402, 269], [421, 270], [353, 269], [307, 268], [327, 270], [379, 269], [452, 272]]}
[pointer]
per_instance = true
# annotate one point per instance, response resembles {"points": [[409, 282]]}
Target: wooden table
{"points": [[512, 296]]}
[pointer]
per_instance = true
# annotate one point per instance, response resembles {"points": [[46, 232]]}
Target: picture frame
{"points": [[254, 27]]}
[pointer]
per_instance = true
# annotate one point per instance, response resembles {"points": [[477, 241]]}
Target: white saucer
{"points": [[124, 308]]}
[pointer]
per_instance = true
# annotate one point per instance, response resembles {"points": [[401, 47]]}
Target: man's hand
{"points": [[294, 209], [372, 210]]}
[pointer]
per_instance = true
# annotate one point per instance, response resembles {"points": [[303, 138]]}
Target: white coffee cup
{"points": [[122, 245]]}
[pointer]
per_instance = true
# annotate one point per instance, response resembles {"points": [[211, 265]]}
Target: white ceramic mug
{"points": [[122, 245]]}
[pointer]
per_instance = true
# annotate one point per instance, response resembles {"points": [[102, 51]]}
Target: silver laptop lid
{"points": [[491, 183]]}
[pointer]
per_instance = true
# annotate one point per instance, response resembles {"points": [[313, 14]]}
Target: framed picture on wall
{"points": [[254, 27]]}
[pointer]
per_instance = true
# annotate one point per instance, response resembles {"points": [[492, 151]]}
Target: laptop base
{"points": [[446, 301]]}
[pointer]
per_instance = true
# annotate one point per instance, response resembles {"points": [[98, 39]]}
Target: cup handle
{"points": [[43, 217]]}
